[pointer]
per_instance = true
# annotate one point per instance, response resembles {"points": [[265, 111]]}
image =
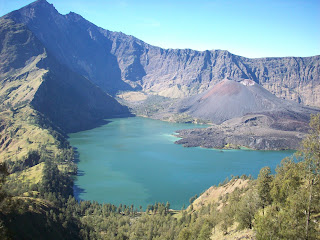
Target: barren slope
{"points": [[229, 99]]}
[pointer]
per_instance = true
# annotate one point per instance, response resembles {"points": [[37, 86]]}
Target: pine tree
{"points": [[263, 186], [295, 194], [246, 209], [227, 218], [185, 234], [311, 154], [205, 232]]}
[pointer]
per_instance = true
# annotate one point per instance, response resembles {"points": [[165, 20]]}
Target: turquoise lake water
{"points": [[135, 161]]}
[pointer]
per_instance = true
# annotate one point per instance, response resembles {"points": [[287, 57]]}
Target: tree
{"points": [[191, 200], [149, 208], [214, 216], [267, 225], [263, 186], [286, 182], [3, 175], [295, 194], [205, 232], [167, 207], [227, 218], [185, 234], [247, 207], [311, 154]]}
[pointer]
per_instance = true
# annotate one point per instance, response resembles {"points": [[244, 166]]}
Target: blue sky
{"points": [[250, 28]]}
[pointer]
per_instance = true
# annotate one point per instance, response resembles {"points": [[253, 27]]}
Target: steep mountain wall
{"points": [[176, 72], [118, 62], [29, 74], [74, 42]]}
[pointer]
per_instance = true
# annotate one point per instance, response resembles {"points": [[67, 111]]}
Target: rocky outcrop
{"points": [[118, 62], [251, 131], [211, 139]]}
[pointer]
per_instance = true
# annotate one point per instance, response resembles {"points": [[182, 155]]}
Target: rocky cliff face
{"points": [[177, 73], [31, 76], [291, 78], [116, 62], [74, 42]]}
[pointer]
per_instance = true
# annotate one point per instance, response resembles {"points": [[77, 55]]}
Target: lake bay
{"points": [[135, 161]]}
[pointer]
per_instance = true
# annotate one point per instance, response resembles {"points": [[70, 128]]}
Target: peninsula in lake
{"points": [[76, 73]]}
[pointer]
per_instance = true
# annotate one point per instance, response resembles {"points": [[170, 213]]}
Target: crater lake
{"points": [[135, 161]]}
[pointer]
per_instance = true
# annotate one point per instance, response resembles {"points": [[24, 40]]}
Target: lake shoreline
{"points": [[135, 161]]}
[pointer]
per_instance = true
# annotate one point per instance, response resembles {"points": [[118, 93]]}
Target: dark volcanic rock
{"points": [[252, 131], [115, 61], [252, 142]]}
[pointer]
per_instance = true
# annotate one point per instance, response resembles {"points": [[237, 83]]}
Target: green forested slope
{"points": [[280, 206]]}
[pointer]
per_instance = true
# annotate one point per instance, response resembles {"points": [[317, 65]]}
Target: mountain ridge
{"points": [[122, 62]]}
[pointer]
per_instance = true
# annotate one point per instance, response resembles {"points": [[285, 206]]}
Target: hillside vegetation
{"points": [[280, 206]]}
